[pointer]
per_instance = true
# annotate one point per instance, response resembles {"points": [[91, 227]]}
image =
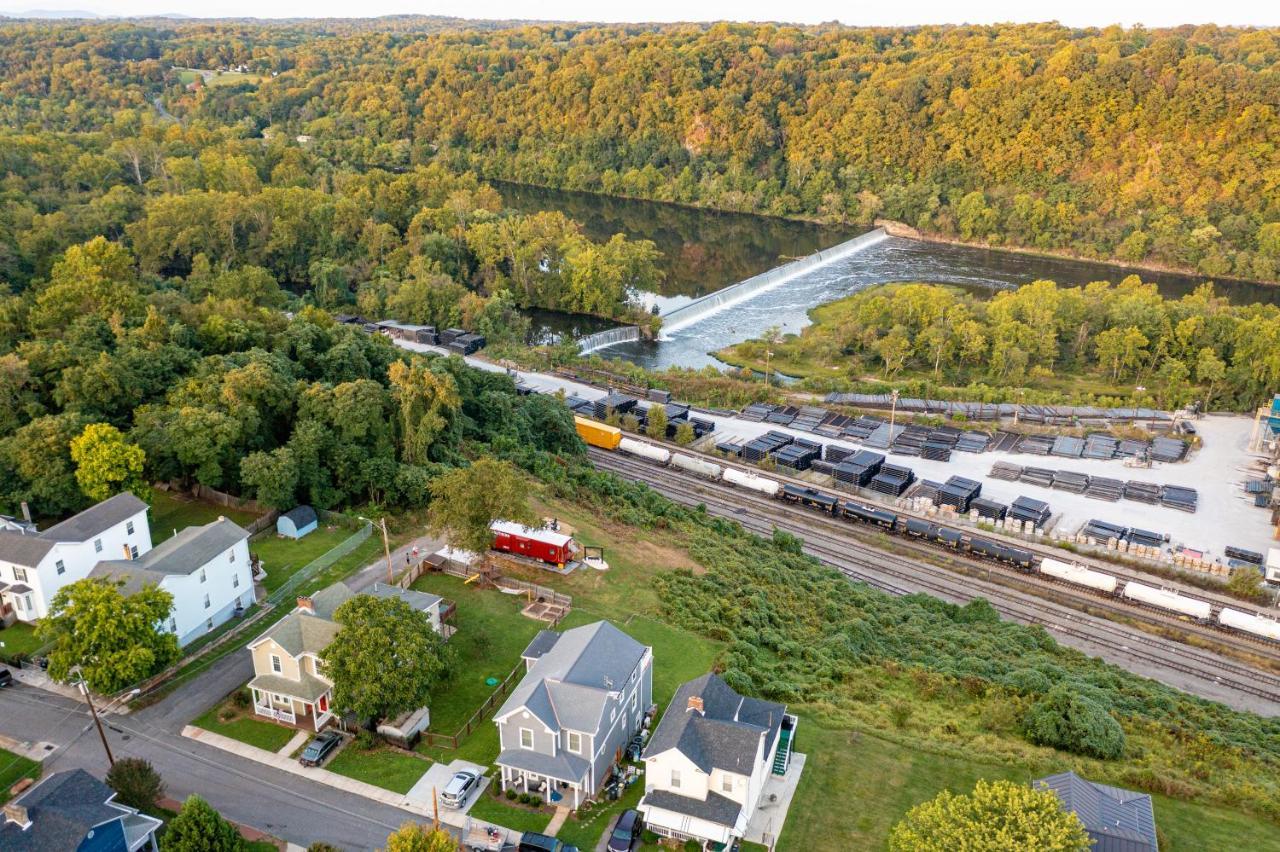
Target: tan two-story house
{"points": [[289, 684]]}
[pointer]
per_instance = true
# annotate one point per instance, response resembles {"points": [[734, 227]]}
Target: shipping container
{"points": [[1165, 599], [544, 545], [644, 450], [598, 434]]}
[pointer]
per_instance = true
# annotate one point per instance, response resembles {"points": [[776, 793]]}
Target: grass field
{"points": [[494, 809], [187, 76], [171, 511], [13, 768], [244, 727], [383, 767], [282, 557], [19, 638]]}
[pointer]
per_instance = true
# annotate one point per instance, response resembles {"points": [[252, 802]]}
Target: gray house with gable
{"points": [[584, 695], [1116, 820]]}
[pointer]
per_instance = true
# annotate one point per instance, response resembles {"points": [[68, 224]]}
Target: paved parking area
{"points": [[437, 777], [766, 823]]}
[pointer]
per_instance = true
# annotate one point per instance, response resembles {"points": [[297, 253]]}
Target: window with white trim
{"points": [[726, 783], [675, 778], [133, 551], [275, 663], [128, 528], [97, 545], [526, 738], [20, 574], [574, 742]]}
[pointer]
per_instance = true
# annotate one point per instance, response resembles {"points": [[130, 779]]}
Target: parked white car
{"points": [[459, 788]]}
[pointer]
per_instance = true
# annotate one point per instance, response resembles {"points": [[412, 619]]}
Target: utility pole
{"points": [[893, 414], [768, 356], [93, 711], [386, 545]]}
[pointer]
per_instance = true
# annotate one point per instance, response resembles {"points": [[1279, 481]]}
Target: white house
{"points": [[34, 566], [584, 695], [708, 761], [205, 568]]}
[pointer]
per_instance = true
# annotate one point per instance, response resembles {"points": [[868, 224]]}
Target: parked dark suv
{"points": [[6, 677], [320, 748], [533, 842], [626, 831]]}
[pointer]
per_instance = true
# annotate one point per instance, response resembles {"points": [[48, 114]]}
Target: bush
{"points": [[241, 698], [524, 798], [199, 828], [1068, 720], [511, 795], [535, 801], [900, 713], [365, 740], [136, 782]]}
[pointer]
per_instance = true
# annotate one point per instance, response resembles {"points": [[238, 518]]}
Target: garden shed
{"points": [[297, 522]]}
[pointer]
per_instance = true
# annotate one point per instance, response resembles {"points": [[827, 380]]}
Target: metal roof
{"points": [[301, 516], [556, 539], [1117, 820]]}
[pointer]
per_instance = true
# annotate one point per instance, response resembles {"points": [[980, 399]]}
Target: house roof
{"points": [[715, 808], [1117, 820], [307, 687], [96, 519], [540, 644], [556, 539], [562, 766], [179, 556], [421, 601], [21, 549], [725, 735], [301, 516], [62, 809], [302, 633], [568, 685], [326, 601]]}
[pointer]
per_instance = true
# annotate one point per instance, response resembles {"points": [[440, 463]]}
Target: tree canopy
{"points": [[996, 816], [465, 501], [386, 660], [415, 837], [115, 640], [106, 464], [199, 828]]}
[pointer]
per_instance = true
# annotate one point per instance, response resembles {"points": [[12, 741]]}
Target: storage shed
{"points": [[1117, 820], [297, 522]]}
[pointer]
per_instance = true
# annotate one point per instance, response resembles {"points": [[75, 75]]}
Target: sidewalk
{"points": [[38, 678], [32, 751], [448, 816]]}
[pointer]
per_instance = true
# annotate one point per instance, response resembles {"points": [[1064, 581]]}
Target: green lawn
{"points": [[855, 787], [255, 732], [495, 809], [383, 767], [491, 634], [586, 832], [172, 511], [19, 639], [282, 557], [13, 768]]}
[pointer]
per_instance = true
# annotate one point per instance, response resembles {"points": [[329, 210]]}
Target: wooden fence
{"points": [[453, 741]]}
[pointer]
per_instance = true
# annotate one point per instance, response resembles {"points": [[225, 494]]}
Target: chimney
{"points": [[17, 814], [695, 703], [26, 512], [305, 603]]}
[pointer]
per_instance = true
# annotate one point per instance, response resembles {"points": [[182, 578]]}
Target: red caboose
{"points": [[542, 544]]}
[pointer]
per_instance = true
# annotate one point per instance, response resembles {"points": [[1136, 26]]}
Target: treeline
{"points": [[1151, 146], [1118, 338]]}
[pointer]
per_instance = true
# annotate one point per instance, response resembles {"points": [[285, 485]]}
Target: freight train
{"points": [[1256, 626]]}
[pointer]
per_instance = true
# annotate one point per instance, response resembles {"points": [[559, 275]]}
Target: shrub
{"points": [[900, 713], [524, 798], [511, 795], [365, 740], [241, 698], [136, 782], [1067, 720], [199, 828], [535, 801]]}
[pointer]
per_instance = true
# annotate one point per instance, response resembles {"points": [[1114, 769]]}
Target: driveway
{"points": [[437, 777]]}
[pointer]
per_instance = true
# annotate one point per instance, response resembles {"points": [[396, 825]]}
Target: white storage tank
{"points": [[1255, 624], [764, 485], [708, 469], [1078, 574], [645, 450], [1165, 599]]}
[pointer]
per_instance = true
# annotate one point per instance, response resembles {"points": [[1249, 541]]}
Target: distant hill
{"points": [[52, 14]]}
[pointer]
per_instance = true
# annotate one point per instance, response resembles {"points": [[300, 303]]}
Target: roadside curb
{"points": [[320, 776]]}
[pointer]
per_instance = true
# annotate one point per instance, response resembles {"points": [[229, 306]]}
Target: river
{"points": [[703, 251]]}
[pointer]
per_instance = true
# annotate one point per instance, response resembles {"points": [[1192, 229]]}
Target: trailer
{"points": [[544, 545], [600, 435], [764, 485], [1078, 574], [1165, 599], [1253, 624], [644, 450], [710, 470]]}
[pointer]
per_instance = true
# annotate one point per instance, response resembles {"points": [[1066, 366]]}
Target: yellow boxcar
{"points": [[598, 434]]}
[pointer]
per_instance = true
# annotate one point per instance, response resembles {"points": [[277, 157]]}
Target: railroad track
{"points": [[832, 544]]}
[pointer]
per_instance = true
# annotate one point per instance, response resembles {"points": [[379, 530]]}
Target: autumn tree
{"points": [[114, 639], [386, 660], [995, 817], [107, 464], [465, 501], [416, 837]]}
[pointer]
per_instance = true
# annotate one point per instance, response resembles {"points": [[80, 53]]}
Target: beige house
{"points": [[289, 685]]}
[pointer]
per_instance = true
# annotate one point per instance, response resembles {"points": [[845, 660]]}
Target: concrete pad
{"points": [[765, 825], [437, 777], [295, 742]]}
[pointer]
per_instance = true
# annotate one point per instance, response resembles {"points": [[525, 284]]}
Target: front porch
{"points": [[293, 712], [553, 790]]}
